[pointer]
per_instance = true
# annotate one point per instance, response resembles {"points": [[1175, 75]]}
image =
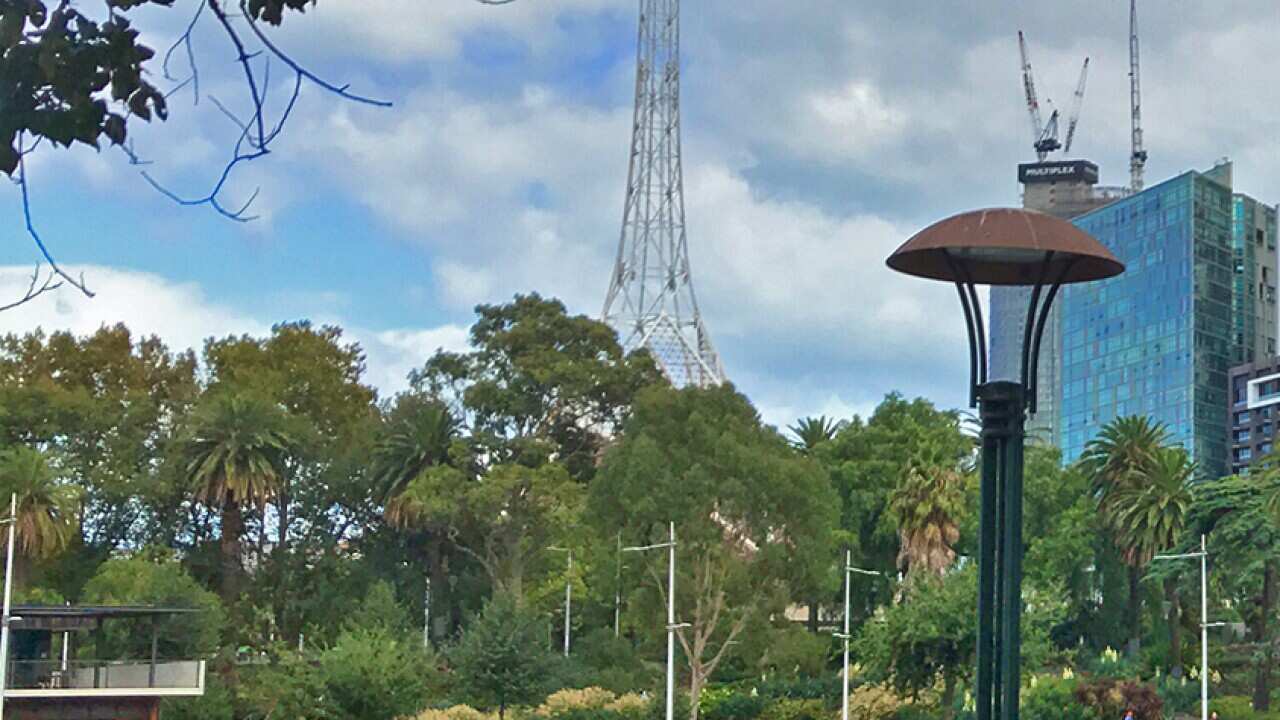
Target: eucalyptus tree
{"points": [[1237, 512], [754, 519]]}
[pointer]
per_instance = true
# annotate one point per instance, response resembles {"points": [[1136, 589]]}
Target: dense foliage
{"points": [[314, 528]]}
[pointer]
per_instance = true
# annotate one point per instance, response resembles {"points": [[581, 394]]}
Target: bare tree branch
{"points": [[24, 186], [36, 288]]}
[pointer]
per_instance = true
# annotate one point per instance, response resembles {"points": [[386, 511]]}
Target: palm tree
{"points": [[46, 519], [419, 438], [810, 432], [1121, 457], [1150, 516], [927, 506], [235, 454]]}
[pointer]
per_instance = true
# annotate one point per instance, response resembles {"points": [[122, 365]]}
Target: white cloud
{"points": [[183, 316], [406, 30], [393, 353], [179, 313]]}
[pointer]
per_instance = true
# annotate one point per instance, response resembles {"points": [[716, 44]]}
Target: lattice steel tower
{"points": [[651, 302]]}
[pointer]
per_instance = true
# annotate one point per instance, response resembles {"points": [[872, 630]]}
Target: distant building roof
{"points": [[83, 617]]}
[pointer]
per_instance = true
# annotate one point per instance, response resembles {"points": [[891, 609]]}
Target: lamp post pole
{"points": [[849, 570], [568, 597], [1019, 248], [672, 626], [1203, 555], [5, 617]]}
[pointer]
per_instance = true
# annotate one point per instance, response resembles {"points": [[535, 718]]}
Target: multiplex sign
{"points": [[1065, 170]]}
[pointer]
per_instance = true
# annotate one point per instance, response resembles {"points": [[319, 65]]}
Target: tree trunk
{"points": [[696, 681], [1262, 673], [439, 589], [1133, 612], [949, 698], [281, 557], [232, 529], [1175, 627], [813, 617]]}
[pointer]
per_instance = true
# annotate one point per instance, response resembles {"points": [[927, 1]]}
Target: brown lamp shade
{"points": [[1005, 246]]}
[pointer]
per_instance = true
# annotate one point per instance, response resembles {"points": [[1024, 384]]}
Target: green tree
{"points": [[235, 454], [867, 460], [538, 383], [500, 661], [1244, 543], [46, 507], [323, 492], [503, 518], [104, 404], [929, 638], [927, 505], [156, 579], [374, 674], [417, 436], [1121, 457], [754, 519], [1150, 517]]}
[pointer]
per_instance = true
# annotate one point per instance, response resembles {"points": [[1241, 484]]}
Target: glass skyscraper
{"points": [[1158, 339]]}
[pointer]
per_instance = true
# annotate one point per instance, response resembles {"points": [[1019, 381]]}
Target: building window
{"points": [[1242, 435], [1244, 453], [1264, 448], [1264, 429], [1242, 417]]}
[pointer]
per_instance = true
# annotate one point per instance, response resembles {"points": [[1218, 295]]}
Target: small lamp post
{"points": [[849, 570], [1020, 248]]}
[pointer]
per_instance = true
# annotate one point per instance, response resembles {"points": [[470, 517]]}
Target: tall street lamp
{"points": [[5, 617], [1203, 555], [568, 596], [1012, 248], [849, 570], [672, 625]]}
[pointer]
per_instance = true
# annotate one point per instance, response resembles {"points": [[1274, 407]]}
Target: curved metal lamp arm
{"points": [[973, 324]]}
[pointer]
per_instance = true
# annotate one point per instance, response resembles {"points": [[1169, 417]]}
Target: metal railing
{"points": [[107, 675]]}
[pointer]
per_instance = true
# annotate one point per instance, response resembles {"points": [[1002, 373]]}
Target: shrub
{"points": [[457, 712], [611, 663], [1109, 698], [1235, 707], [371, 675], [216, 703], [1053, 698], [795, 710], [873, 702], [630, 705], [1180, 695], [812, 688], [793, 652], [563, 701], [729, 704]]}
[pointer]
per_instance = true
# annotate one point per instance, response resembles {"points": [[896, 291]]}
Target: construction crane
{"points": [[1044, 134], [1076, 103], [1138, 158]]}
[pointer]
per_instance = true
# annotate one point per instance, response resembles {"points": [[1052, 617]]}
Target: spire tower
{"points": [[651, 301]]}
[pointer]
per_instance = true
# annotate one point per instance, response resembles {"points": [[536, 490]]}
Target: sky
{"points": [[817, 137]]}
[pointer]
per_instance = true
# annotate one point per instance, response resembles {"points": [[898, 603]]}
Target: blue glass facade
{"points": [[1156, 340]]}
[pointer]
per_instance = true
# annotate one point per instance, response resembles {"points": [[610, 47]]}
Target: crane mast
{"points": [[1077, 102], [1044, 134], [1138, 158]]}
